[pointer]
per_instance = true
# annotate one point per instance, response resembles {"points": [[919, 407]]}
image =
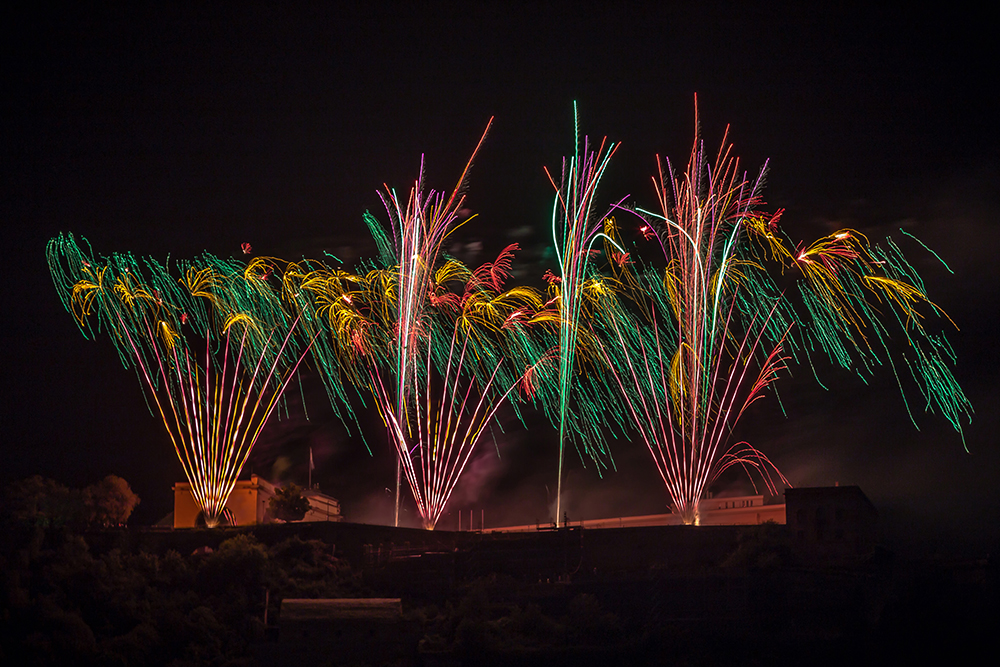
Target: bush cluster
{"points": [[63, 604]]}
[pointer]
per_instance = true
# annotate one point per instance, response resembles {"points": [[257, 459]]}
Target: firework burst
{"points": [[476, 352], [693, 345], [575, 229], [215, 350]]}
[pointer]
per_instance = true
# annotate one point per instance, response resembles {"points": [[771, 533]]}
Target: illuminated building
{"points": [[247, 504]]}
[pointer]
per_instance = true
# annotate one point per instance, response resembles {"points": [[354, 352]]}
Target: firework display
{"points": [[575, 229], [692, 344], [439, 347], [475, 351], [215, 348], [413, 245], [671, 337]]}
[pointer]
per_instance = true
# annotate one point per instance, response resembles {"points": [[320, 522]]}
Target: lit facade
{"points": [[247, 504]]}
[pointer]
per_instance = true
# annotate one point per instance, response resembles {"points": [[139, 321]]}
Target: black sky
{"points": [[162, 130]]}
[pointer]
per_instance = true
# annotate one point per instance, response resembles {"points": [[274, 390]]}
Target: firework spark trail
{"points": [[698, 240], [418, 229], [326, 302], [654, 392], [214, 428], [469, 345], [215, 411], [729, 316], [452, 410], [403, 322], [681, 346], [574, 230], [472, 345]]}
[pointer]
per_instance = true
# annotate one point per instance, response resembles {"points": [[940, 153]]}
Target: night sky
{"points": [[175, 131]]}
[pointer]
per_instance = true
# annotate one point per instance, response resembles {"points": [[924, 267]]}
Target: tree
{"points": [[288, 504], [44, 502], [109, 502]]}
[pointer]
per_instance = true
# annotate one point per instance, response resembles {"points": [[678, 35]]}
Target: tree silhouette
{"points": [[109, 502], [288, 504]]}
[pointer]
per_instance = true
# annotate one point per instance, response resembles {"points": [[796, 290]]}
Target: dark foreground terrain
{"points": [[668, 595]]}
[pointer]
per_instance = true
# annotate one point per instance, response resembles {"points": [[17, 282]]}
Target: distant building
{"points": [[740, 511], [247, 504], [726, 511], [321, 506], [831, 522]]}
